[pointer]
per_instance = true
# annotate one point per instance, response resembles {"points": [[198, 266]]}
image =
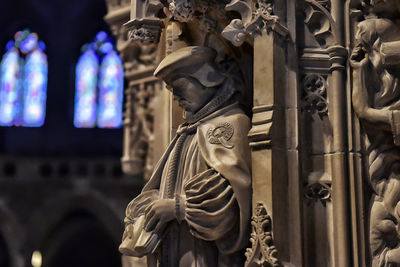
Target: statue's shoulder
{"points": [[231, 114], [231, 122]]}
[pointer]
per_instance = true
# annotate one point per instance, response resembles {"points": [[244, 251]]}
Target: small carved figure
{"points": [[376, 101], [195, 209]]}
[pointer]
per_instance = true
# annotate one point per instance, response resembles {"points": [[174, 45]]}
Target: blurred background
{"points": [[62, 190]]}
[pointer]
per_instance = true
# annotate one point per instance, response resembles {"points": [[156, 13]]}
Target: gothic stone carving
{"points": [[376, 98], [139, 122], [145, 26], [314, 88], [318, 191], [252, 22], [320, 22], [182, 10], [262, 251], [203, 179]]}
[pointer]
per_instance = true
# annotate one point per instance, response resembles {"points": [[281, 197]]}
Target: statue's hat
{"points": [[194, 61]]}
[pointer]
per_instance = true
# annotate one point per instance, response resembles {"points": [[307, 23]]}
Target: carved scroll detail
{"points": [[262, 251], [252, 22], [314, 87]]}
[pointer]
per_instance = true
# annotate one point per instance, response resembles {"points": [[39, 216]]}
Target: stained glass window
{"points": [[86, 90], [23, 82], [99, 85], [35, 87], [10, 87]]}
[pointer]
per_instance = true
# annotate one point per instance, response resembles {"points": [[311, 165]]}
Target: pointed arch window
{"points": [[23, 81], [99, 85]]}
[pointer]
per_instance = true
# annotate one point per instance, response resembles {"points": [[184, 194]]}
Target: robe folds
{"points": [[210, 162]]}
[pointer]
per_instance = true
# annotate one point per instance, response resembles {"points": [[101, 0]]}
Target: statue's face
{"points": [[190, 94]]}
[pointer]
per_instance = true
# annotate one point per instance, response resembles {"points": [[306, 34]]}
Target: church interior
{"points": [[62, 190], [287, 153]]}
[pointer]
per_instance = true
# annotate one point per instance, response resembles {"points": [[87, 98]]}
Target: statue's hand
{"points": [[393, 256], [159, 213], [358, 58]]}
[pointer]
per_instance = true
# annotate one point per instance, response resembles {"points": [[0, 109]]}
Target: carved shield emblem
{"points": [[221, 134]]}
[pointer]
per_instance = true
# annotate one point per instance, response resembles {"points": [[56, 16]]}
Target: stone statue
{"points": [[376, 101], [195, 209]]}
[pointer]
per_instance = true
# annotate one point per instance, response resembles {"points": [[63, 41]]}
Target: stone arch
{"points": [[11, 238], [71, 211]]}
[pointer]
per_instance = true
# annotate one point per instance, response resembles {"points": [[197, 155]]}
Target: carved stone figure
{"points": [[195, 209], [376, 101], [142, 134]]}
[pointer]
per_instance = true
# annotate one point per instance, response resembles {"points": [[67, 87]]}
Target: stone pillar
{"points": [[266, 139], [338, 114], [339, 157], [269, 135]]}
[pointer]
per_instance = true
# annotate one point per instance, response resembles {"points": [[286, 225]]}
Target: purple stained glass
{"points": [[35, 89], [86, 87], [10, 87], [111, 84]]}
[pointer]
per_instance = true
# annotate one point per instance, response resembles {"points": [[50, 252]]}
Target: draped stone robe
{"points": [[211, 159]]}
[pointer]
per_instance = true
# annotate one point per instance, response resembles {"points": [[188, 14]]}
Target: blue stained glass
{"points": [[35, 89], [41, 46], [111, 84], [29, 43], [101, 36], [10, 45], [106, 48], [86, 86], [10, 87]]}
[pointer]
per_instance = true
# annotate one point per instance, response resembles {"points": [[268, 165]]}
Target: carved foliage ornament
{"points": [[314, 87], [319, 191], [145, 33], [262, 251], [252, 22], [182, 10], [145, 26]]}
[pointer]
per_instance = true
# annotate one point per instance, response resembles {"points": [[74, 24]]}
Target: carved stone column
{"points": [[269, 139]]}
